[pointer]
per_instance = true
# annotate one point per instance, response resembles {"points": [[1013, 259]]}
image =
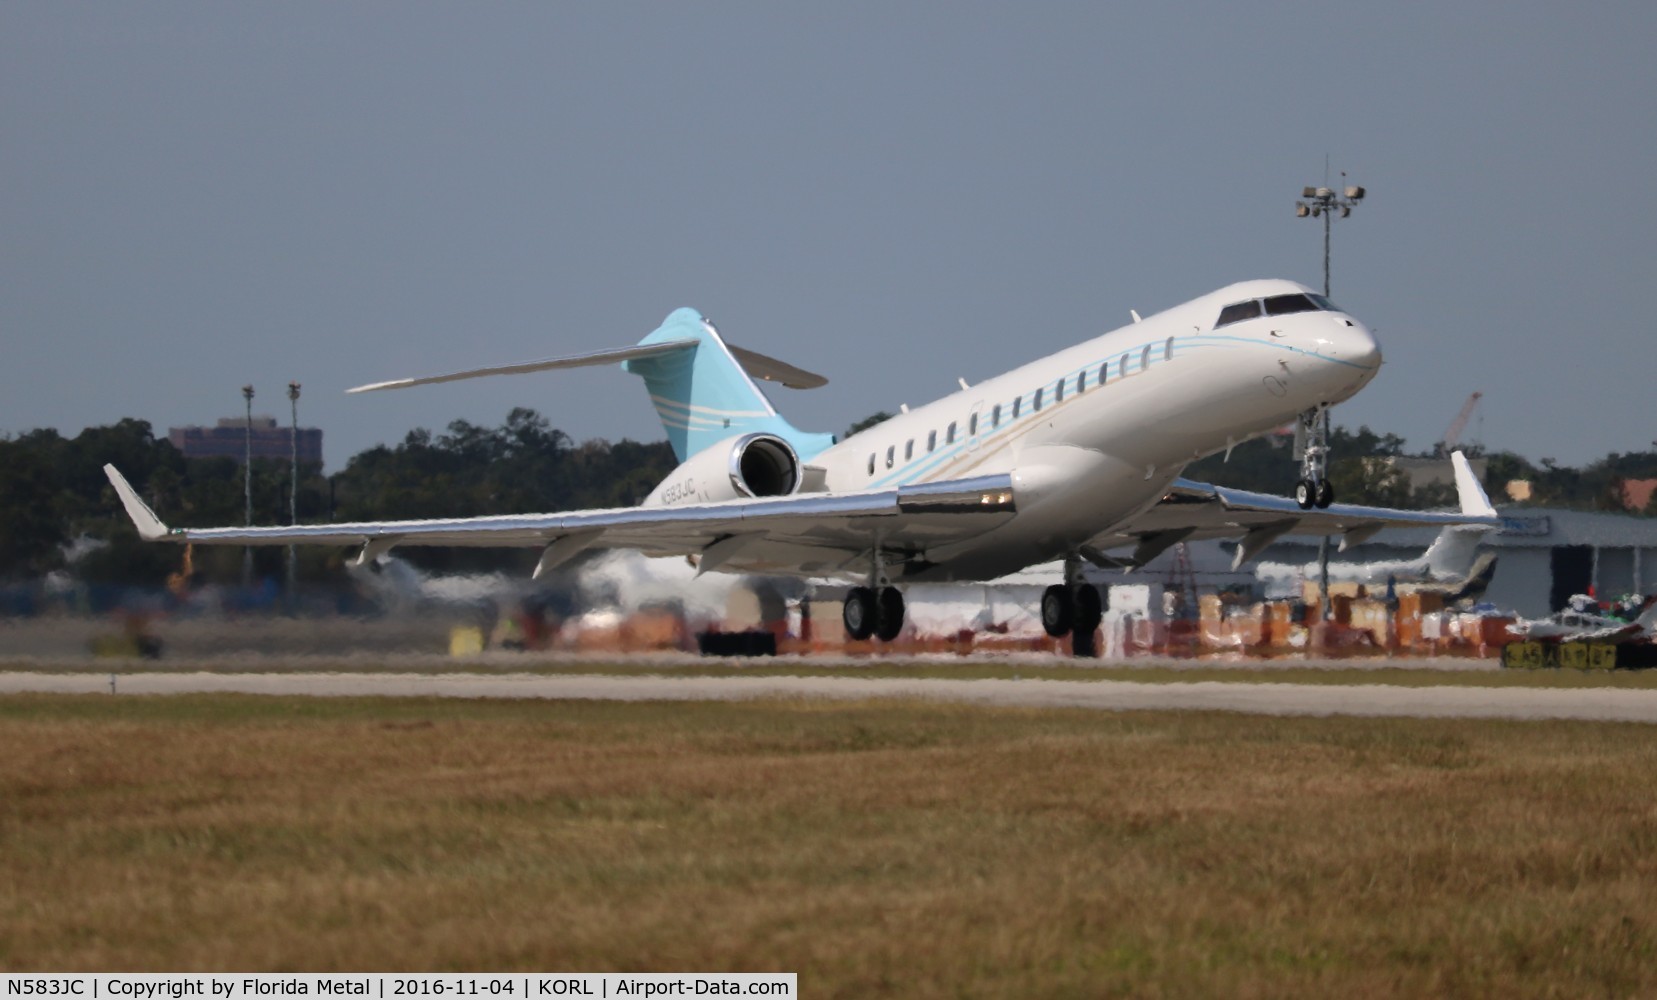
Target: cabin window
{"points": [[871, 463], [1104, 372], [1145, 358], [1122, 367], [1237, 312], [891, 455], [931, 440], [1058, 391], [1017, 403], [995, 416], [1081, 382], [1035, 403], [909, 449], [949, 434], [1168, 350], [972, 425]]}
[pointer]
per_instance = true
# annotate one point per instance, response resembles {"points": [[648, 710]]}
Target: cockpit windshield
{"points": [[1276, 305], [1237, 312], [1283, 305]]}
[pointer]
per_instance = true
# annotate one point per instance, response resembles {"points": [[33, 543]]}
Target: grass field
{"points": [[883, 848], [1403, 672]]}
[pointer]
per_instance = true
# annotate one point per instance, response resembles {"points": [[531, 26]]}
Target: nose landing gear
{"points": [[1312, 448]]}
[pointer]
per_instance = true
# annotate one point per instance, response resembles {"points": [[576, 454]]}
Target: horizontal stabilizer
{"points": [[613, 356], [772, 370], [758, 365]]}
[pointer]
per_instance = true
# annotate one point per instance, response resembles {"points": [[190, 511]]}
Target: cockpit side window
{"points": [[1324, 303], [1237, 312], [1282, 305]]}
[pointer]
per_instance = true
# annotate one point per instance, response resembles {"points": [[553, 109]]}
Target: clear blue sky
{"points": [[196, 196]]}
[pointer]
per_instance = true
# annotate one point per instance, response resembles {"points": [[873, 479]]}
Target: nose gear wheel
{"points": [[1312, 448]]}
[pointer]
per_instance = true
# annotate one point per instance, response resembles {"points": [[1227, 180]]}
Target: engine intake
{"points": [[749, 466]]}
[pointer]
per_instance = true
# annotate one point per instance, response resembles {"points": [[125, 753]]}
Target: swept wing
{"points": [[1192, 510], [813, 532]]}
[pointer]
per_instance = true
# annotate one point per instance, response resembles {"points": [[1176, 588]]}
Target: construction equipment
{"points": [[1452, 434]]}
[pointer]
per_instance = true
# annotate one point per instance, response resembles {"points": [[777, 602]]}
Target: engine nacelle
{"points": [[752, 465]]}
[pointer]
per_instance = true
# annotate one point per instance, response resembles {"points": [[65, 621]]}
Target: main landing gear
{"points": [[1312, 448], [877, 609], [1073, 608]]}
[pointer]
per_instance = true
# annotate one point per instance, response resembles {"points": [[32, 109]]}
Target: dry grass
{"points": [[1401, 672], [893, 848]]}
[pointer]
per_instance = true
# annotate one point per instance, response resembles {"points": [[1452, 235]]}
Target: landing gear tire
{"points": [[1090, 610], [890, 614], [1305, 494], [859, 613], [1324, 495], [1057, 611]]}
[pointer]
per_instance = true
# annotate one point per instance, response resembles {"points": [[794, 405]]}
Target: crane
{"points": [[1452, 434]]}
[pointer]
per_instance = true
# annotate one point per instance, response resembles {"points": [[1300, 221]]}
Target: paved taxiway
{"points": [[1608, 704]]}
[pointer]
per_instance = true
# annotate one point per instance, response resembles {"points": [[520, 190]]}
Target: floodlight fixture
{"points": [[1323, 203]]}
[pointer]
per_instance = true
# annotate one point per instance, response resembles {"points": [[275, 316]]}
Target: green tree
{"points": [[32, 526], [878, 417]]}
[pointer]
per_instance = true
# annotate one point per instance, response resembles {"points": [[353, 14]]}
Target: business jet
{"points": [[1075, 457]]}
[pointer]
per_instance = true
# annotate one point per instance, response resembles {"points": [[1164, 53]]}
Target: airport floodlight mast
{"points": [[1313, 437], [293, 485], [1324, 202], [247, 486]]}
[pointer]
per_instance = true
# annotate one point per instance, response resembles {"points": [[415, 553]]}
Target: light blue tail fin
{"points": [[704, 396]]}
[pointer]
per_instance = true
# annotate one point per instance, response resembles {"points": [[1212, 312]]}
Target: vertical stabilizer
{"points": [[704, 396]]}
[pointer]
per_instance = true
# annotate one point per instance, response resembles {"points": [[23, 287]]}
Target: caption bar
{"points": [[390, 986]]}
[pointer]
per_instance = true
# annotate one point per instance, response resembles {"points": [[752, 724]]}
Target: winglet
{"points": [[149, 526], [1472, 495]]}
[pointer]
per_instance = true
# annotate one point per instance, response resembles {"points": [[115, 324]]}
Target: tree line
{"points": [[58, 512]]}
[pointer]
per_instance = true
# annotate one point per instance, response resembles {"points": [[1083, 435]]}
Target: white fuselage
{"points": [[1087, 453]]}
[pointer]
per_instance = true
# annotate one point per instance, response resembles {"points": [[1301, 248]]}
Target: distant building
{"points": [[230, 440]]}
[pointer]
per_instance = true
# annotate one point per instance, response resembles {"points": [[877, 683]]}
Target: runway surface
{"points": [[1606, 704]]}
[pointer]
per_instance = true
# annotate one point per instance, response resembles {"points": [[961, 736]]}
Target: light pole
{"points": [[1324, 202], [293, 486], [247, 485]]}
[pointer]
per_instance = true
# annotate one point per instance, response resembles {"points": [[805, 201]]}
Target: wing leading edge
{"points": [[821, 530]]}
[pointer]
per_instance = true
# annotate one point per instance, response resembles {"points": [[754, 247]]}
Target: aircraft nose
{"points": [[1354, 344]]}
